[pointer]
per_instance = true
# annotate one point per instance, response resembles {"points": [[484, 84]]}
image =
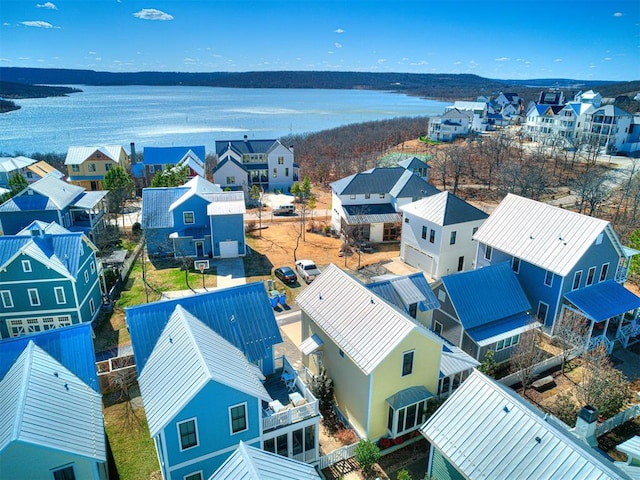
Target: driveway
{"points": [[230, 272]]}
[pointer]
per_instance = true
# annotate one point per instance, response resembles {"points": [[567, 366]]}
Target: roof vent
{"points": [[320, 297], [506, 409], [538, 439], [372, 302]]}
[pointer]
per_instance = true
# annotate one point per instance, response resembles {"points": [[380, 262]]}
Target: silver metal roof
{"points": [[489, 432], [311, 344], [227, 203], [363, 325], [9, 164], [59, 192], [90, 199], [77, 155], [197, 186], [187, 356], [45, 405], [454, 360], [250, 463], [543, 235]]}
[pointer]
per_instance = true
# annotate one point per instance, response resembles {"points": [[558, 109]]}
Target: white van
{"points": [[284, 210]]}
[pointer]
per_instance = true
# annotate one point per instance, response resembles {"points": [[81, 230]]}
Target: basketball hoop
{"points": [[201, 266]]}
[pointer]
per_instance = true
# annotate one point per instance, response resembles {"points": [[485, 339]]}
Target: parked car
{"points": [[286, 275], [284, 210], [307, 270]]}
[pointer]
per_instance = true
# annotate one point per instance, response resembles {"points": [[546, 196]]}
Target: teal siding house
{"points": [[49, 278], [196, 220], [51, 424]]}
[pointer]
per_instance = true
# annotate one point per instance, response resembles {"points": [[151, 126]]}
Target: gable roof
{"points": [[410, 185], [246, 146], [44, 404], [170, 155], [411, 163], [10, 164], [546, 236], [37, 225], [242, 315], [443, 209], [226, 203], [250, 463], [232, 160], [155, 206], [53, 194], [187, 356], [197, 187], [393, 180], [42, 169], [406, 290], [487, 431], [363, 325], [77, 155]]}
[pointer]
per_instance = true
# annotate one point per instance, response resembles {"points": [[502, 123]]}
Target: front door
{"points": [[94, 186], [199, 249]]}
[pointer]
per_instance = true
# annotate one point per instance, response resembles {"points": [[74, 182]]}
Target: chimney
{"points": [[133, 153], [246, 138], [585, 428]]}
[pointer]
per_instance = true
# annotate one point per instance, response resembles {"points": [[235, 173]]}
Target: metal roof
{"points": [[9, 164], [42, 169], [410, 185], [36, 225], [311, 344], [187, 356], [631, 447], [197, 186], [45, 405], [242, 315], [226, 203], [508, 327], [410, 163], [375, 180], [546, 236], [246, 146], [444, 208], [155, 206], [408, 396], [90, 199], [486, 295], [406, 290], [59, 192], [363, 325], [604, 300], [170, 155], [487, 431], [371, 213], [454, 360], [77, 155], [250, 463]]}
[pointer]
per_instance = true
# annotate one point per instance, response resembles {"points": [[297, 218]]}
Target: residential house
{"points": [[87, 166], [555, 252], [509, 99], [197, 220], [437, 234], [484, 430], [10, 166], [385, 366], [245, 163], [159, 159], [607, 127], [202, 362], [452, 124], [53, 200], [250, 463], [417, 166], [541, 122], [366, 205], [478, 111], [40, 170], [51, 423], [50, 278], [482, 310]]}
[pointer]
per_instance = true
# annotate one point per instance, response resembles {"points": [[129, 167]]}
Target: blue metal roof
{"points": [[395, 292], [242, 315], [79, 178], [156, 203], [517, 322], [169, 155], [25, 203], [67, 248], [604, 300], [486, 295], [138, 170], [72, 346]]}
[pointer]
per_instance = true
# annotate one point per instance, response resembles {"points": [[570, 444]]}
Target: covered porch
{"points": [[87, 214], [610, 311], [455, 366], [371, 223]]}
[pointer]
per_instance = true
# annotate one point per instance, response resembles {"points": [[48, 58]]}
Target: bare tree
{"points": [[592, 187], [527, 355], [570, 332]]}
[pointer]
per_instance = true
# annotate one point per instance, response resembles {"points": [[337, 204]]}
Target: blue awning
{"points": [[604, 300], [501, 329], [408, 396]]}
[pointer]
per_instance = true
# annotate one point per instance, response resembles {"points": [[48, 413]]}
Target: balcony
{"points": [[285, 387]]}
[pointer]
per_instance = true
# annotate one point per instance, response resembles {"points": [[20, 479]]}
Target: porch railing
{"points": [[339, 454], [613, 422], [594, 342]]}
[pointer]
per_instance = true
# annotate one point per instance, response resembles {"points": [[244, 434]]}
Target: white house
{"points": [[437, 234], [452, 124]]}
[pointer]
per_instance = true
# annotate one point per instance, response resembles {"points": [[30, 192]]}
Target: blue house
{"points": [[53, 200], [51, 423], [49, 278], [196, 220], [203, 363], [158, 159], [483, 310], [554, 252]]}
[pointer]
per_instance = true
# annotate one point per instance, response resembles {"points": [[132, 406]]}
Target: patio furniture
{"points": [[277, 406], [289, 381], [296, 399]]}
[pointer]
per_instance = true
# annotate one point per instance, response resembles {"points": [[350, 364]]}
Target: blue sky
{"points": [[519, 39]]}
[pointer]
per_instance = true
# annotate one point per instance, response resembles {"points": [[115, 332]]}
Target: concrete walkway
{"points": [[230, 272]]}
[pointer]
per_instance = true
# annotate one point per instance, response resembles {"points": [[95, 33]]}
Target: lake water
{"points": [[172, 116]]}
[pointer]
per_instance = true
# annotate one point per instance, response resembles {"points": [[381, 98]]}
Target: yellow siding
{"points": [[388, 379]]}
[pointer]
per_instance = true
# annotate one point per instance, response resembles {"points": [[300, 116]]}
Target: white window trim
{"points": [[437, 326], [26, 266], [246, 418], [10, 298], [513, 341], [602, 269], [199, 472], [545, 278], [576, 276], [184, 220], [593, 277], [420, 418], [543, 320], [93, 267], [92, 306], [29, 290], [64, 297], [195, 424], [63, 467], [413, 361], [488, 252], [86, 276]]}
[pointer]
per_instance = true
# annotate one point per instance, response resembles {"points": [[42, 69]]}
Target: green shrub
{"points": [[366, 455]]}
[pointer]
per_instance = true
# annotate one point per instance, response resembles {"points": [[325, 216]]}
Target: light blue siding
{"points": [[441, 469], [227, 228]]}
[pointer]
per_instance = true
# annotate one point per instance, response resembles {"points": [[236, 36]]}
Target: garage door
{"points": [[24, 326], [418, 259], [229, 249]]}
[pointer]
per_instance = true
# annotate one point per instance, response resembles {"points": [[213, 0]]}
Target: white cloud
{"points": [[592, 66], [48, 5], [152, 14], [557, 60], [618, 14], [503, 59], [37, 23], [4, 60], [421, 62], [338, 30], [330, 52], [337, 45], [457, 63], [606, 59], [382, 60], [93, 53]]}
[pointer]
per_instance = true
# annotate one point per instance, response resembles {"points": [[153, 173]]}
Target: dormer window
{"points": [[188, 218], [26, 266]]}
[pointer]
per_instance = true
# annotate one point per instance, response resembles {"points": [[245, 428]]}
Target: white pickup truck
{"points": [[307, 270]]}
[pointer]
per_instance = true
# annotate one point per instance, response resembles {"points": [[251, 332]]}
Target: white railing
{"points": [[600, 340], [290, 415], [624, 334], [613, 422], [339, 454]]}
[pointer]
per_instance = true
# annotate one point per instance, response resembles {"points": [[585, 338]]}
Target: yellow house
{"points": [[87, 166], [385, 366]]}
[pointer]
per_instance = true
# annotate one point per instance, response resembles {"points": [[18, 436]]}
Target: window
{"points": [[406, 219], [382, 195], [107, 167], [34, 298], [7, 300], [188, 433], [60, 297], [282, 445], [424, 232], [437, 327], [188, 218], [487, 252], [275, 173], [26, 266], [341, 353], [407, 363], [231, 180], [460, 263], [475, 229], [75, 168], [286, 171], [92, 306], [452, 238], [92, 167], [238, 416], [548, 278], [577, 277], [193, 476], [432, 236], [352, 196], [93, 267], [86, 276], [407, 418], [65, 473], [515, 264], [604, 271], [591, 275], [543, 308], [367, 196], [413, 310], [280, 160], [442, 296], [507, 343], [599, 239]]}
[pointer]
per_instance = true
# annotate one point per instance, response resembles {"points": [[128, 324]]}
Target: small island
{"points": [[12, 90]]}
